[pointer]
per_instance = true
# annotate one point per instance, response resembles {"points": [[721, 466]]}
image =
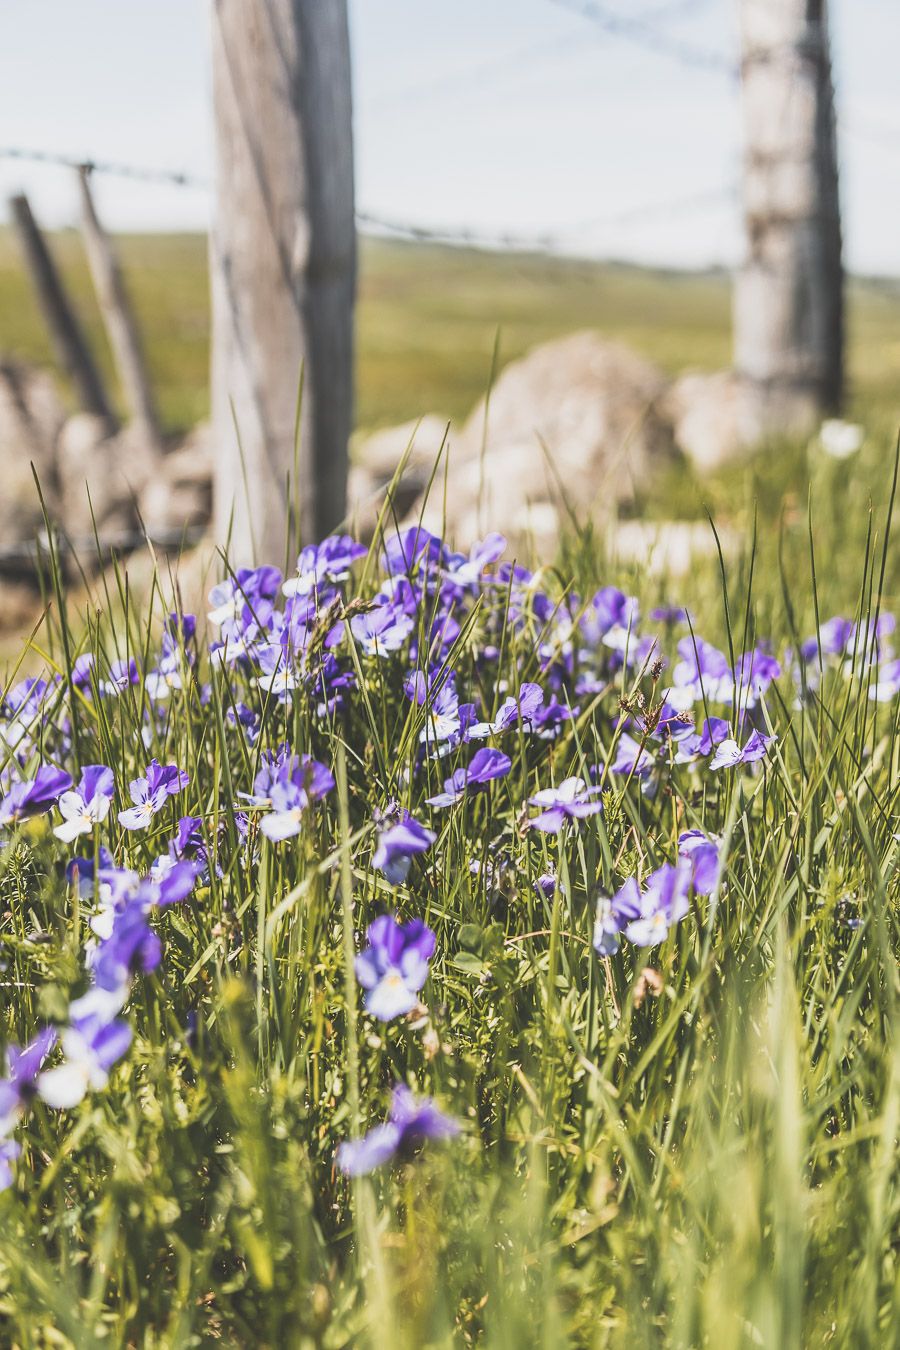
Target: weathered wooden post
{"points": [[121, 327], [67, 339], [788, 313], [283, 271]]}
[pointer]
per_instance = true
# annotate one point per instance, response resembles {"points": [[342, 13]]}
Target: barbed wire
{"points": [[454, 236], [114, 168], [643, 33]]}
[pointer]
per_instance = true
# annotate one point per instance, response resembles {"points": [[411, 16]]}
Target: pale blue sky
{"points": [[494, 114]]}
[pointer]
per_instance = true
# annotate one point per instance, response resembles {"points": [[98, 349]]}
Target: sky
{"points": [[501, 117]]}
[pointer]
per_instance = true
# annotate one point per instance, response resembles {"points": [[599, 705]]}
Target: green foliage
{"points": [[689, 1146]]}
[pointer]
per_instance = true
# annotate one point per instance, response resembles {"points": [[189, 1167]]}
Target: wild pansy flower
{"points": [[467, 571], [486, 765], [190, 844], [412, 1121], [150, 794], [288, 786], [644, 916], [91, 1044], [702, 675], [398, 844], [702, 743], [9, 1152], [703, 854], [414, 549], [887, 686], [278, 675], [608, 619], [123, 673], [34, 796], [523, 708], [174, 661], [753, 674], [329, 561], [251, 588], [632, 759], [131, 947], [88, 804], [394, 966], [548, 719], [22, 1068], [570, 801], [381, 630], [729, 753], [239, 715]]}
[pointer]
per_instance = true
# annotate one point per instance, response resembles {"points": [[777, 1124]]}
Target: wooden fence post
{"points": [[67, 338], [121, 326]]}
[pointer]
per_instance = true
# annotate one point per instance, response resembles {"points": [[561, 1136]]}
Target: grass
{"points": [[428, 317], [705, 1160]]}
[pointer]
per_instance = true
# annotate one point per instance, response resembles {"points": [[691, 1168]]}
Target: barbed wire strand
{"points": [[643, 33]]}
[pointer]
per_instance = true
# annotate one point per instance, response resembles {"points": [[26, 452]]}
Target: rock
{"points": [[31, 414], [669, 547], [101, 478], [573, 426], [179, 495], [719, 417], [375, 462]]}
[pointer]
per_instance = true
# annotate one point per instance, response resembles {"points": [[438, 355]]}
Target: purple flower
{"points": [[35, 796], [704, 857], [22, 1067], [288, 785], [644, 917], [702, 674], [151, 793], [9, 1152], [404, 552], [486, 765], [329, 561], [547, 720], [411, 1122], [729, 753], [87, 805], [753, 674], [394, 966], [632, 758], [523, 709], [609, 618], [132, 946], [91, 1044], [251, 589], [122, 674], [443, 713], [468, 571], [383, 629], [571, 800], [398, 844], [887, 685]]}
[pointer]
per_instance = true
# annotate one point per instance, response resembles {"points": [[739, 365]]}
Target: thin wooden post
{"points": [[789, 320], [67, 338], [283, 271], [121, 327]]}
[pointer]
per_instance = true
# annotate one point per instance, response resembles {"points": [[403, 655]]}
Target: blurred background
{"points": [[520, 171]]}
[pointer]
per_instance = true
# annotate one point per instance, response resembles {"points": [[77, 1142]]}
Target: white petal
{"points": [[63, 1087]]}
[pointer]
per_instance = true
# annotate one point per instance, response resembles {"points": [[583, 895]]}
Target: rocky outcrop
{"points": [[573, 428]]}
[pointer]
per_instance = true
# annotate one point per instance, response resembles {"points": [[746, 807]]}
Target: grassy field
{"points": [[686, 1138], [662, 1037], [428, 317]]}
